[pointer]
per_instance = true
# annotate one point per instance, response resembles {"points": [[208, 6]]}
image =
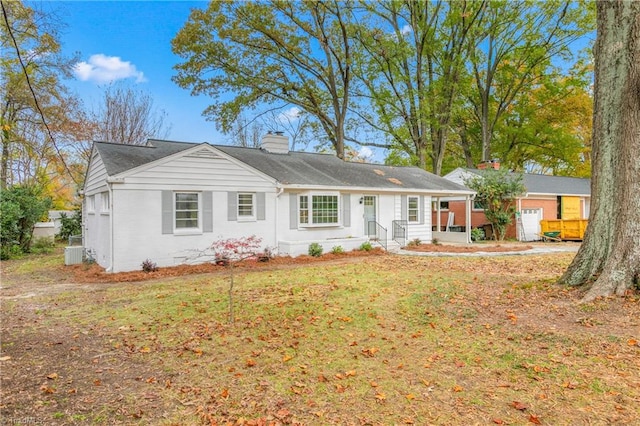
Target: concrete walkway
{"points": [[537, 248]]}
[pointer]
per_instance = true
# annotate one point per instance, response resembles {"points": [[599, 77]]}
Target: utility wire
{"points": [[35, 98]]}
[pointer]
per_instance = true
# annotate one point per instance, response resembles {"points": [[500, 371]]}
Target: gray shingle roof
{"points": [[294, 168], [118, 158], [303, 168], [559, 185]]}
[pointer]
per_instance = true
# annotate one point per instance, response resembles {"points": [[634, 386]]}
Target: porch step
{"points": [[392, 245]]}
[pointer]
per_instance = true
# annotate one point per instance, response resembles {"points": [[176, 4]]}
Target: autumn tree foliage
{"points": [[608, 262], [294, 53], [433, 82], [39, 117]]}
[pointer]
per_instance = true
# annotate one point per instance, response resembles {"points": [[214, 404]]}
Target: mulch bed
{"points": [[96, 274], [440, 248]]}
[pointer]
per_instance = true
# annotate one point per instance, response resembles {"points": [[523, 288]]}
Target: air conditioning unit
{"points": [[73, 255]]}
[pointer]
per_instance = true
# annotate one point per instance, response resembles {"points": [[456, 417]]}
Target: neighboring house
{"points": [[166, 200], [546, 198]]}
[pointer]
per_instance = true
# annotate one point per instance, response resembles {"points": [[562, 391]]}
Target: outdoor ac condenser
{"points": [[73, 255]]}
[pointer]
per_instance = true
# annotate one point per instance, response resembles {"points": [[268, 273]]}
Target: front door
{"points": [[370, 216]]}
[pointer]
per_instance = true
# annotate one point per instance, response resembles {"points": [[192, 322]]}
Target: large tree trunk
{"points": [[609, 258]]}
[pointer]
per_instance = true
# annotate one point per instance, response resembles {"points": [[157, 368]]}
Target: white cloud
{"points": [[292, 114], [406, 30], [105, 69], [365, 153]]}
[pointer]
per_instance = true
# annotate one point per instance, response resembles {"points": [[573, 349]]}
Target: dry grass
{"points": [[382, 340]]}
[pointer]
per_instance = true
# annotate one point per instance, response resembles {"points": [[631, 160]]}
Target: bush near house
{"points": [[20, 208], [496, 191]]}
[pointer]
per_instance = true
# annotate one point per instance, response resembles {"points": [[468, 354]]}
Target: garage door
{"points": [[531, 224]]}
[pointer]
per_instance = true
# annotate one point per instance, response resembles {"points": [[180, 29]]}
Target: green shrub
{"points": [[315, 250], [477, 234], [42, 245], [70, 225], [366, 246], [20, 208], [337, 250]]}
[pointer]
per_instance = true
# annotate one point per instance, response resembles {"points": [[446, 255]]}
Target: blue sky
{"points": [[129, 42]]}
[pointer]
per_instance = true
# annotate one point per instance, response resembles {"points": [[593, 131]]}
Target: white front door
{"points": [[531, 224], [370, 218]]}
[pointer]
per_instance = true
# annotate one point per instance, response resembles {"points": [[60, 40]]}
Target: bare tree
{"points": [[128, 116], [245, 133]]}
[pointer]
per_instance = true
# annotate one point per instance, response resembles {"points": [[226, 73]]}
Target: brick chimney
{"points": [[275, 143], [493, 164]]}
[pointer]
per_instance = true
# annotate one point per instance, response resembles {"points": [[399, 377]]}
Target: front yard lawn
{"points": [[376, 340]]}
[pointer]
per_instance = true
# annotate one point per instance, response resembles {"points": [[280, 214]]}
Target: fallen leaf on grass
{"points": [[410, 396], [534, 419], [370, 352], [380, 396], [47, 389], [518, 405], [281, 414], [633, 342], [5, 358], [458, 388], [52, 376], [250, 362]]}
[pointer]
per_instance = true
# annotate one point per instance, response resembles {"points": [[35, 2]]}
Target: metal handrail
{"points": [[377, 232], [399, 233]]}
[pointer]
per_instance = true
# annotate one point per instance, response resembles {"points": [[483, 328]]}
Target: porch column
{"points": [[468, 217], [437, 214]]}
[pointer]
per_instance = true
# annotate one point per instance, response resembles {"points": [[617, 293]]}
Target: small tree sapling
{"points": [[229, 251]]}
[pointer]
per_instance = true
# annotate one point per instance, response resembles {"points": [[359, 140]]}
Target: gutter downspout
{"points": [[470, 199], [277, 218], [111, 228]]}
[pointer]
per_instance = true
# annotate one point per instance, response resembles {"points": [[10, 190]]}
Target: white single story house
{"points": [[166, 199]]}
